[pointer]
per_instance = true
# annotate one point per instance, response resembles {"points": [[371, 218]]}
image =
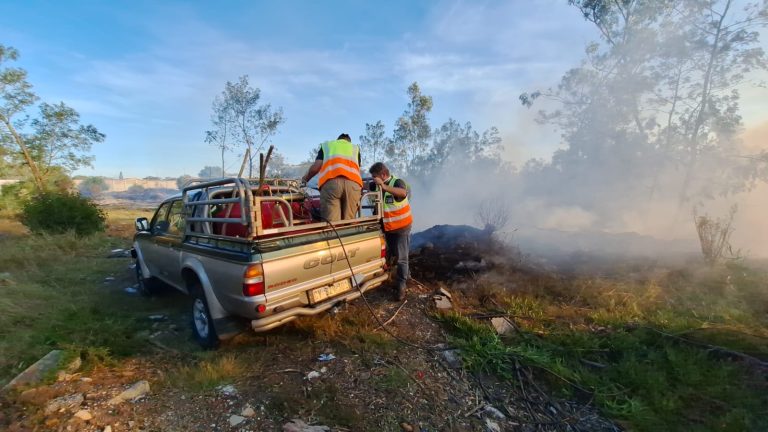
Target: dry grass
{"points": [[211, 371]]}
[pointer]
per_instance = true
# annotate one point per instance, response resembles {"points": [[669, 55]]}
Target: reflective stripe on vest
{"points": [[340, 160], [396, 214]]}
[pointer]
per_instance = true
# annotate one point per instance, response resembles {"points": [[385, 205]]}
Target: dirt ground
{"points": [[374, 382]]}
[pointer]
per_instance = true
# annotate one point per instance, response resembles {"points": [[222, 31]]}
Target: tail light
{"points": [[253, 280], [383, 247]]}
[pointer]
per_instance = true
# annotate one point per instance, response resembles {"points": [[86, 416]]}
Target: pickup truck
{"points": [[257, 254]]}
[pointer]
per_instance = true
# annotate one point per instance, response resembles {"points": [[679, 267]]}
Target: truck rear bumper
{"points": [[280, 318]]}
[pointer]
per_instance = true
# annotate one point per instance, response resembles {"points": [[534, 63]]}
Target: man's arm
{"points": [[397, 192], [313, 170]]}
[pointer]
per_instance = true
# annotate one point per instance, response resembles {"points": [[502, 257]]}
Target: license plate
{"points": [[319, 294]]}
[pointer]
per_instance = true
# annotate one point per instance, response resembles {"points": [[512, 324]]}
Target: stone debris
{"points": [[84, 415], [68, 402], [227, 390], [248, 412], [134, 392], [34, 374], [297, 425], [107, 429], [406, 427], [502, 325], [235, 420], [442, 299]]}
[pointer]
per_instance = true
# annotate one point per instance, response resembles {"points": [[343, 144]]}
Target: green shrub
{"points": [[59, 212]]}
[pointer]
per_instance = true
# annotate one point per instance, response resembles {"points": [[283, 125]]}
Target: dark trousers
{"points": [[398, 246]]}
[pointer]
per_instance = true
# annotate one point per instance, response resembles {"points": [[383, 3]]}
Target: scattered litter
{"points": [[453, 358], [502, 325], [227, 390], [323, 370], [494, 413], [235, 420], [492, 426], [109, 279], [326, 357], [297, 425], [131, 290], [119, 253], [248, 412], [312, 375], [132, 267], [157, 317], [472, 265], [134, 392]]}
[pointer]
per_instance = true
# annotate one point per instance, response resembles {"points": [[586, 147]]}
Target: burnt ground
{"points": [[374, 383]]}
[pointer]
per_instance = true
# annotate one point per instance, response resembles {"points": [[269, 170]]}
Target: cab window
{"points": [[159, 223], [176, 218]]}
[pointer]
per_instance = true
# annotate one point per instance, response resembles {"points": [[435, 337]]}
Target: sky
{"points": [[146, 72]]}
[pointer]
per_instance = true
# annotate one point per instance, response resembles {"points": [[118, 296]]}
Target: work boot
{"points": [[400, 293]]}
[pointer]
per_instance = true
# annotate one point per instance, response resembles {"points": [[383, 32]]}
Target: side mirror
{"points": [[142, 224]]}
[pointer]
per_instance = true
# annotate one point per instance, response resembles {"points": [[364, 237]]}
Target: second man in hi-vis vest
{"points": [[340, 183], [397, 221]]}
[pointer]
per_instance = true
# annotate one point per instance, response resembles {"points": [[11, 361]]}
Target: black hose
{"points": [[370, 308]]}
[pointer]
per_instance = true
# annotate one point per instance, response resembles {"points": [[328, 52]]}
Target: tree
{"points": [[54, 141], [59, 140], [15, 97], [654, 102], [373, 143], [210, 172], [412, 131], [239, 116]]}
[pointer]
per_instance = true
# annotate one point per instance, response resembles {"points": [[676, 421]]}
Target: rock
{"points": [[5, 279], [442, 302], [494, 413], [248, 412], [227, 390], [453, 358], [107, 428], [492, 426], [34, 374], [74, 365], [134, 392], [296, 425], [502, 325], [406, 427], [64, 403], [84, 415], [235, 420]]}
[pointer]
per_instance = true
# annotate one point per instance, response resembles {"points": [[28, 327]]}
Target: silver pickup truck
{"points": [[257, 254]]}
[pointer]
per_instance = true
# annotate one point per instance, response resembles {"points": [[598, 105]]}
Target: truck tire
{"points": [[146, 286], [202, 323]]}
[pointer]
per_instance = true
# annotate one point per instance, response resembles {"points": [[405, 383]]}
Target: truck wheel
{"points": [[147, 286], [202, 323]]}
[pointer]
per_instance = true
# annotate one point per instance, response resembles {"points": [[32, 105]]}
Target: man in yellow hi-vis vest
{"points": [[397, 221], [340, 183]]}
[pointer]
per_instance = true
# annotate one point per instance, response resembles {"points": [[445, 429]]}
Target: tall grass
{"points": [[600, 334], [53, 295]]}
